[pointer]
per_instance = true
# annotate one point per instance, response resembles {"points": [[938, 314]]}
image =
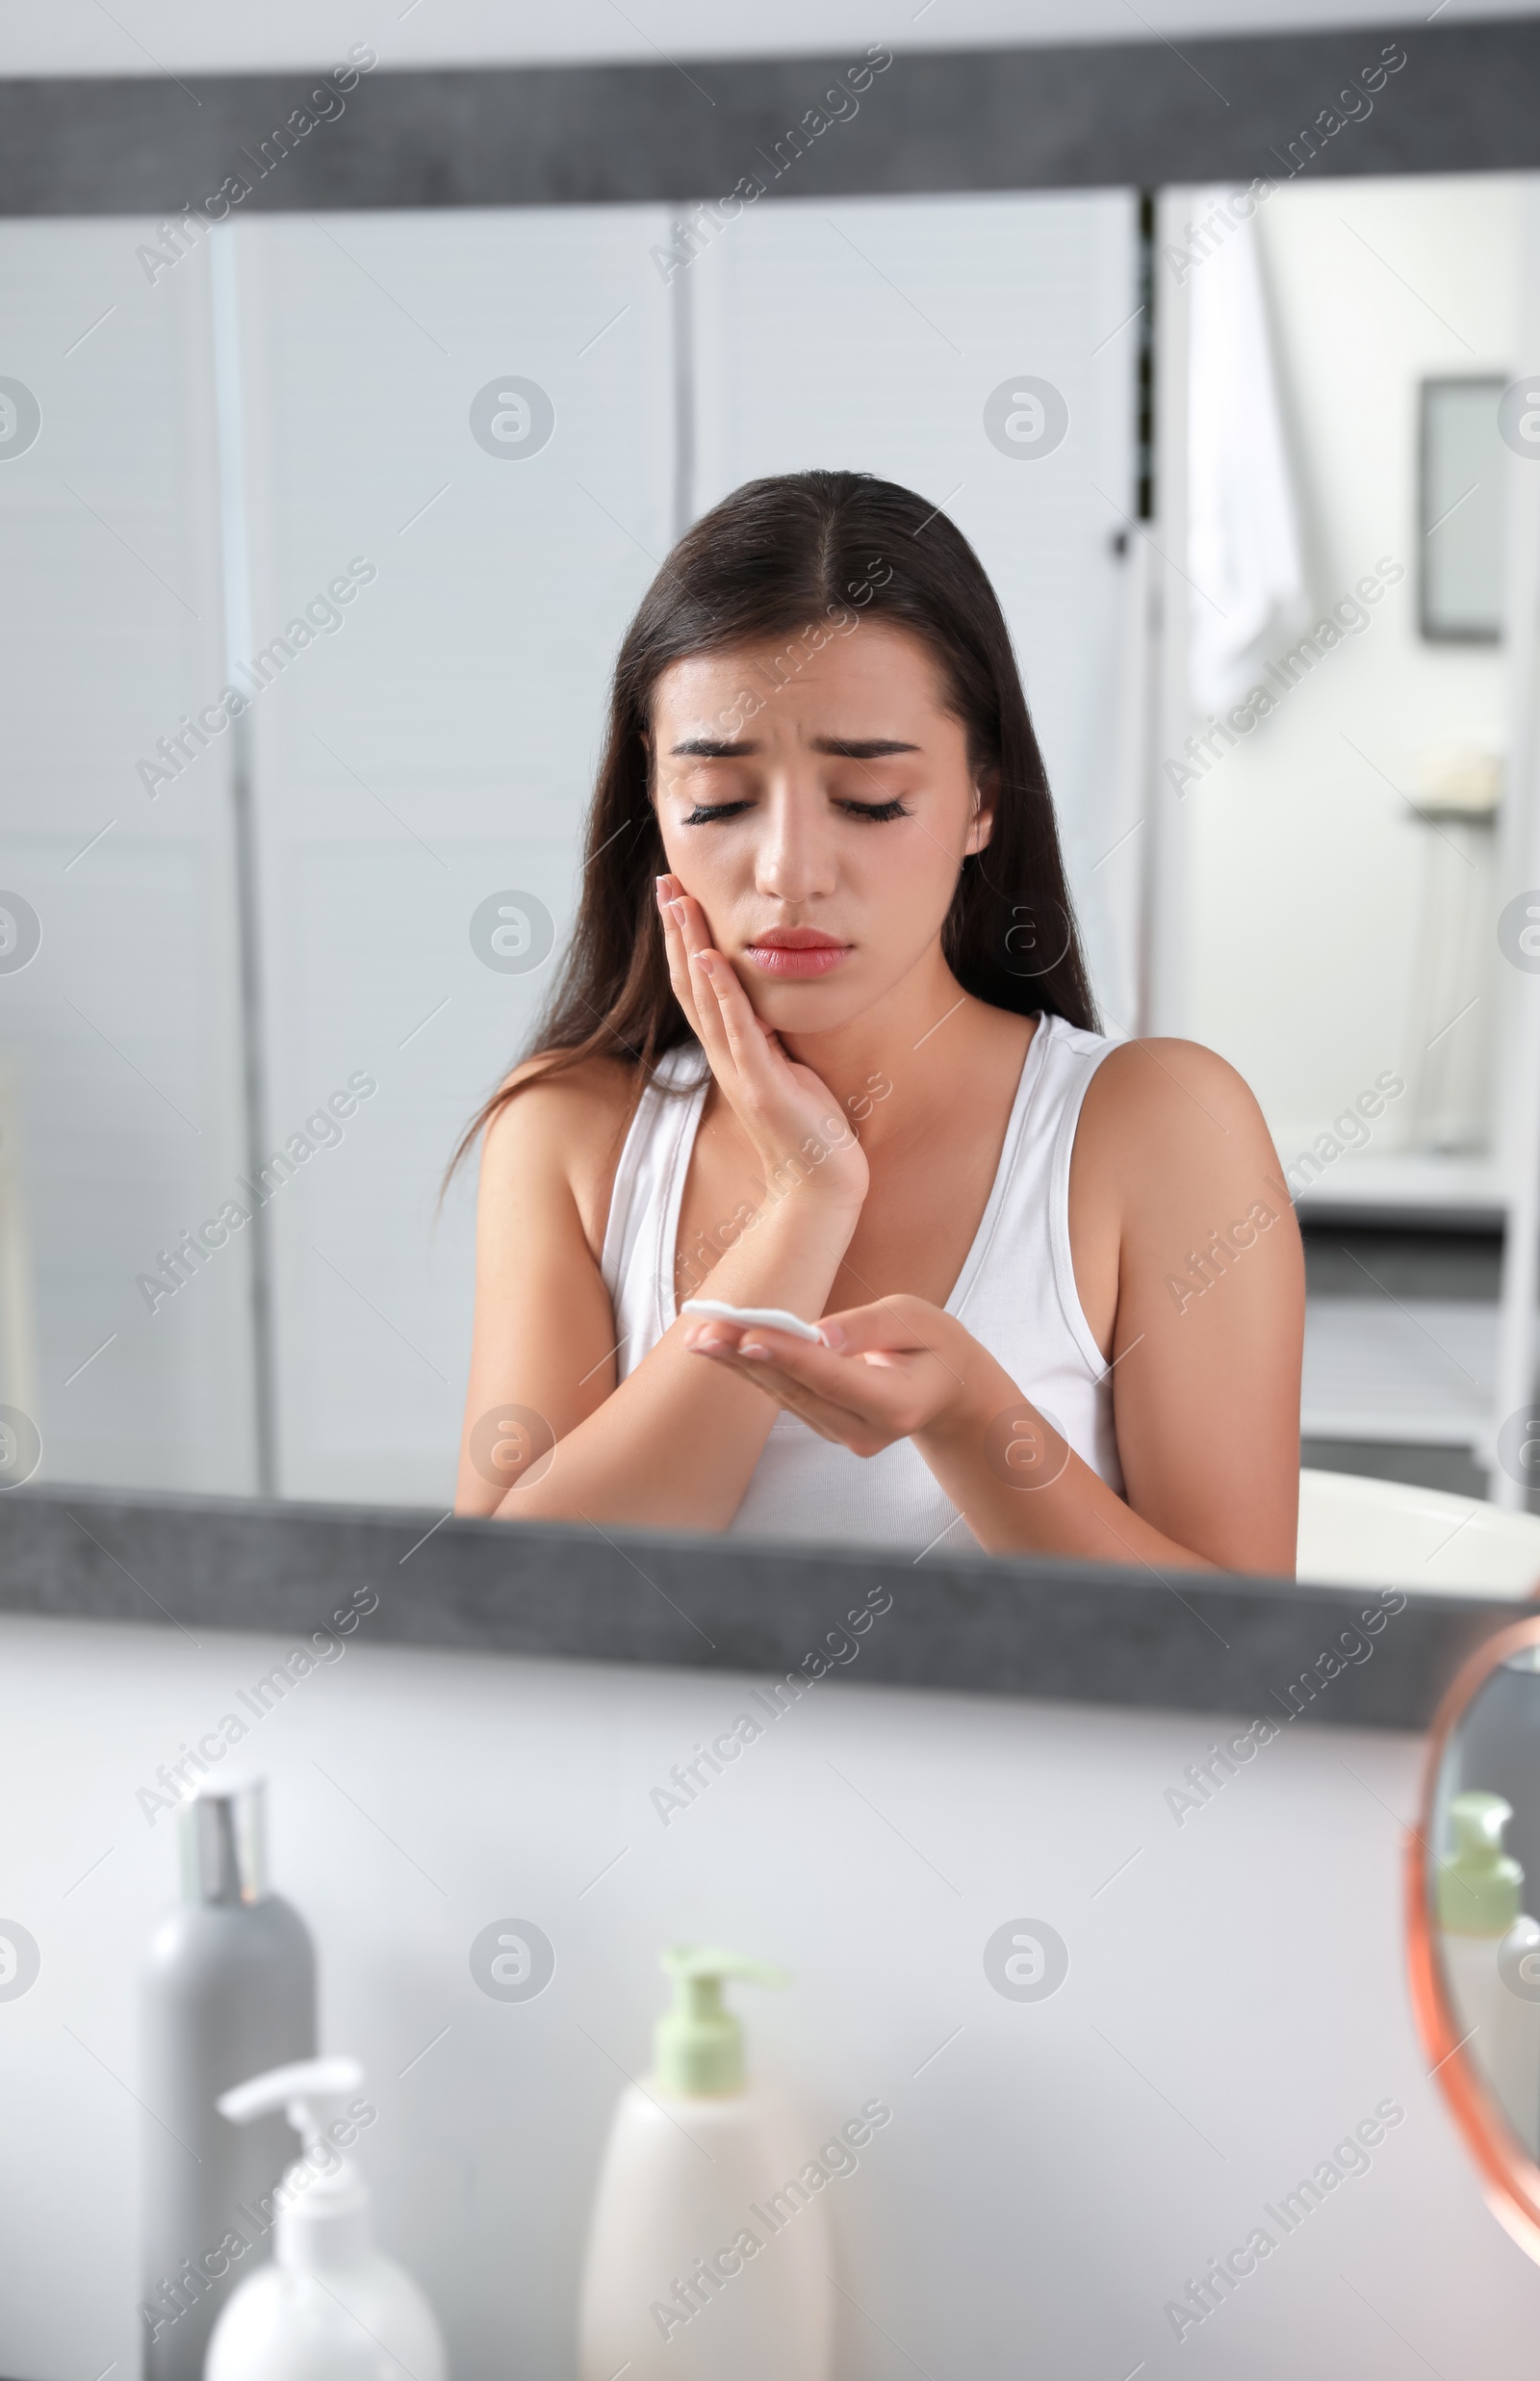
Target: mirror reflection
{"points": [[1038, 650], [1474, 1868], [1488, 1944]]}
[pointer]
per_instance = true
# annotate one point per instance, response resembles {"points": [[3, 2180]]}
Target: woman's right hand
{"points": [[789, 1114]]}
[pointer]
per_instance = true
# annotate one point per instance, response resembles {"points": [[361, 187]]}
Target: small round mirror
{"points": [[1474, 1917]]}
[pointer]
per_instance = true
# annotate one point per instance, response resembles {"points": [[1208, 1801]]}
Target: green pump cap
{"points": [[698, 2044], [1481, 1886]]}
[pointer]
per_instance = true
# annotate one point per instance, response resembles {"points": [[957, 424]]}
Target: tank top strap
{"points": [[1077, 1055], [637, 1260], [1033, 1224]]}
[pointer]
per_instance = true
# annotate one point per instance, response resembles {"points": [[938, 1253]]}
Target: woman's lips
{"points": [[798, 954]]}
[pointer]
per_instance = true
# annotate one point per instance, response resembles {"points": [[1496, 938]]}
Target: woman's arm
{"points": [[1181, 1211], [548, 1434], [1209, 1335], [674, 1445]]}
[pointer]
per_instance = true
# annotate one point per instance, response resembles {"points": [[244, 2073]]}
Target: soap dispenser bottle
{"points": [[707, 2252], [329, 2308], [1480, 1889]]}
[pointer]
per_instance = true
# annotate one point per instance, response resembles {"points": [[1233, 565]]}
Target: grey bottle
{"points": [[227, 1990]]}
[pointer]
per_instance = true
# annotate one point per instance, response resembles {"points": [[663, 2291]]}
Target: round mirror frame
{"points": [[1509, 2177]]}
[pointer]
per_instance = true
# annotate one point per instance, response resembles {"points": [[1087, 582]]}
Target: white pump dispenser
{"points": [[707, 2253], [329, 2308]]}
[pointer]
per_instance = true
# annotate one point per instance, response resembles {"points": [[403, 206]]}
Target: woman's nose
{"points": [[795, 857]]}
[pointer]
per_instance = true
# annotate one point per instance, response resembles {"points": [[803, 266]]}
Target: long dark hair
{"points": [[811, 550]]}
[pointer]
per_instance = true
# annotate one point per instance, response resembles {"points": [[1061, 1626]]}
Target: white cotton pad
{"points": [[772, 1319]]}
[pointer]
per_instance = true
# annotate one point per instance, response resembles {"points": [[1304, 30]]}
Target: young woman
{"points": [[824, 1041]]}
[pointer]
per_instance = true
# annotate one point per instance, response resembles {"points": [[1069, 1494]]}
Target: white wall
{"points": [[438, 749], [1052, 2175], [1305, 951], [868, 336], [122, 1033]]}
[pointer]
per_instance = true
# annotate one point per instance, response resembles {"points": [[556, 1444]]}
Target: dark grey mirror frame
{"points": [[1136, 113], [1466, 99], [964, 1622]]}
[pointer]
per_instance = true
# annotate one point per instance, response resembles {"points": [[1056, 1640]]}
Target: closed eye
{"points": [[877, 812], [705, 812]]}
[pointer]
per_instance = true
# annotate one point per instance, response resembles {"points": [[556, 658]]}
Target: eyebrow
{"points": [[839, 747], [861, 747]]}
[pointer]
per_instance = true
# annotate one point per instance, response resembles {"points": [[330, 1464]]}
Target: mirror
{"points": [[282, 956], [1473, 1867], [1366, 756], [1461, 513], [319, 536]]}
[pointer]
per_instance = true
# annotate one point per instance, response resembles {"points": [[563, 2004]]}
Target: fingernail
{"points": [[831, 1335], [751, 1349], [706, 963], [658, 883]]}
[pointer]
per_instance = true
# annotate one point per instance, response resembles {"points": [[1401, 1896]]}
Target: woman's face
{"points": [[815, 797]]}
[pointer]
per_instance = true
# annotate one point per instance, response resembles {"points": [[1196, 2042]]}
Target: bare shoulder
{"points": [[1166, 1120], [590, 1097], [563, 1127], [1161, 1086]]}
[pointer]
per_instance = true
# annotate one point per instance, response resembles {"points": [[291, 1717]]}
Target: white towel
{"points": [[1249, 596]]}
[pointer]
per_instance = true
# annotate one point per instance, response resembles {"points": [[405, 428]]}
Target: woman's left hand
{"points": [[893, 1371]]}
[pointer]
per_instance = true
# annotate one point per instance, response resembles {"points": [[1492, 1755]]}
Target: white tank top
{"points": [[1016, 1294]]}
